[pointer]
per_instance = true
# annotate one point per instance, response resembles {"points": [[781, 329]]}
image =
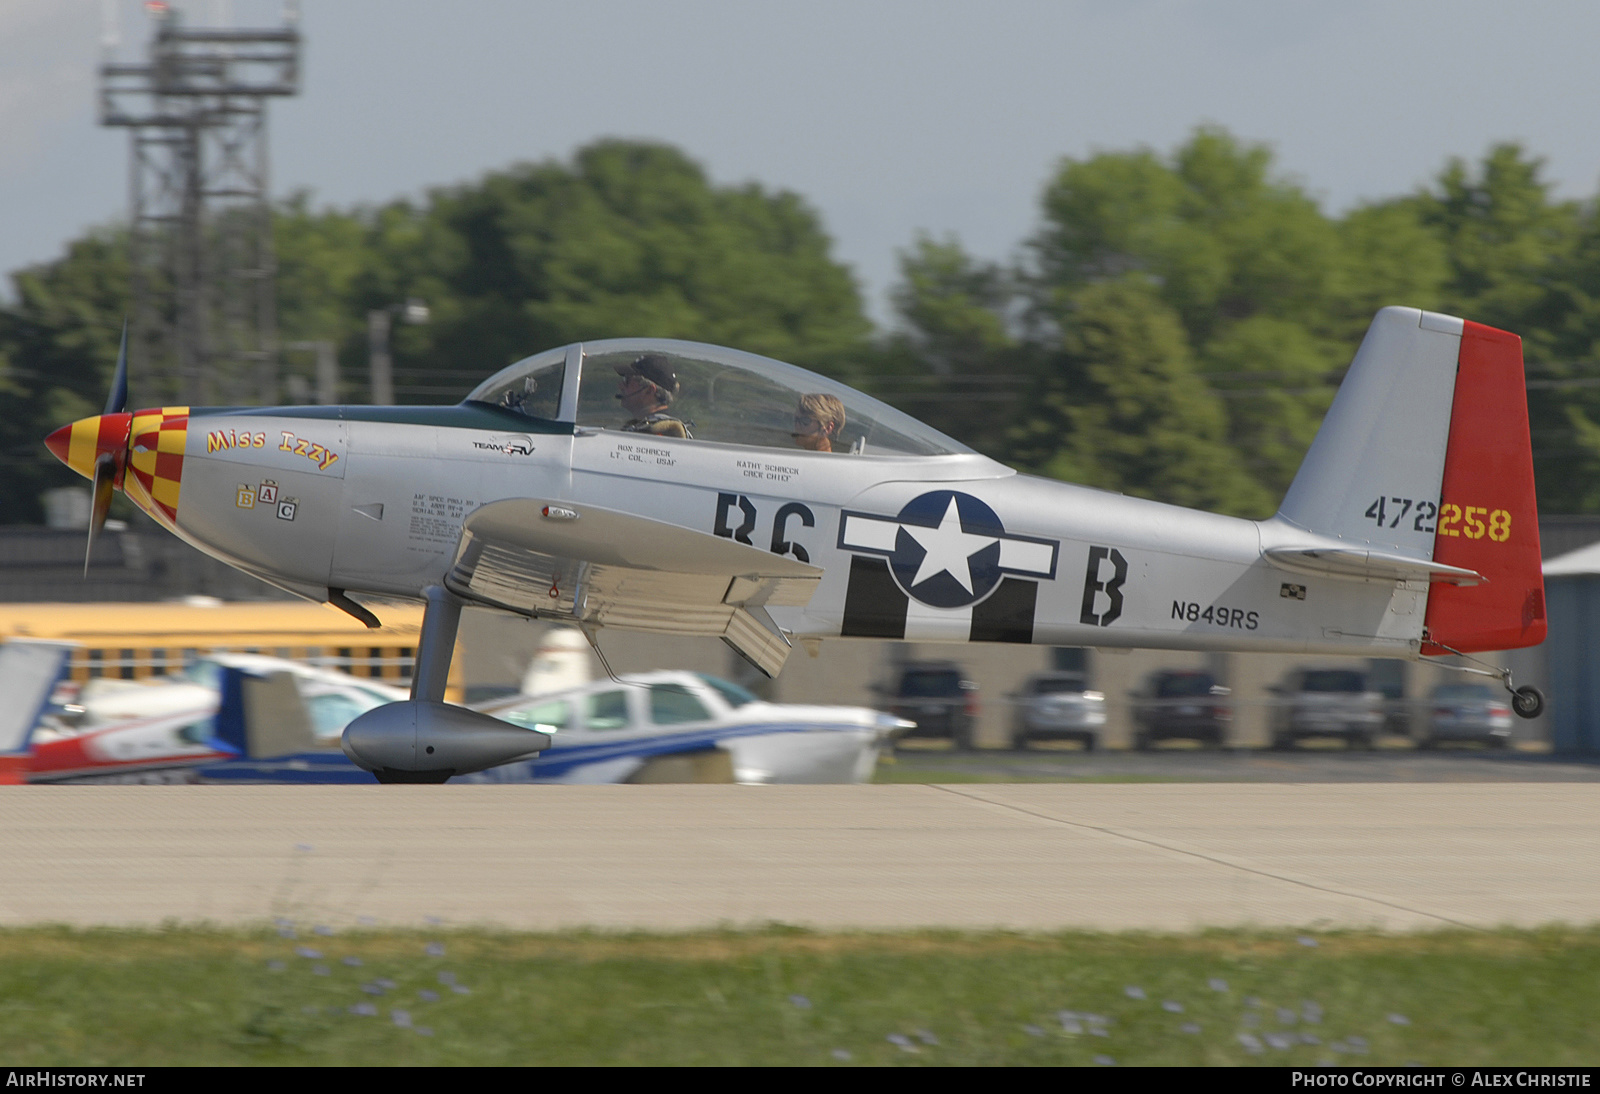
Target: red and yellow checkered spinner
{"points": [[147, 446]]}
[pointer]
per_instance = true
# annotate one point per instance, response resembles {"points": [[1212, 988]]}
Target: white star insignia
{"points": [[948, 548]]}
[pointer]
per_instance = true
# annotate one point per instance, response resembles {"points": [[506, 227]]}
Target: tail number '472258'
{"points": [[1471, 521]]}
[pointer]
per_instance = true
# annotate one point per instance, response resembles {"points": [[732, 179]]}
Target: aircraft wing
{"points": [[599, 567]]}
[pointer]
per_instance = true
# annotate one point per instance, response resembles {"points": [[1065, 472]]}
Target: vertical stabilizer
{"points": [[260, 716], [1372, 476], [29, 673]]}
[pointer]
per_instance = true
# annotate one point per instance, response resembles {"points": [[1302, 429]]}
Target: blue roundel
{"points": [[947, 552]]}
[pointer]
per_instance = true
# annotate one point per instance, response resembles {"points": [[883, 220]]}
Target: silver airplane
{"points": [[688, 489]]}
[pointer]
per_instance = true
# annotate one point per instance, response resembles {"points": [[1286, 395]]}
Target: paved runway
{"points": [[1031, 856]]}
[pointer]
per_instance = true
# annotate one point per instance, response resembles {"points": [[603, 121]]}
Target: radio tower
{"points": [[200, 253]]}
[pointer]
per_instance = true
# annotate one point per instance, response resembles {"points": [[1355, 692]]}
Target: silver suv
{"points": [[1058, 705], [1326, 703]]}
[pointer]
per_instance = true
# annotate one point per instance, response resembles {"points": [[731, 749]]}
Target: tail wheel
{"points": [[1527, 701]]}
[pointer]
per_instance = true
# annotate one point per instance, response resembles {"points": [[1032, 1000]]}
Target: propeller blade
{"points": [[107, 465], [105, 474], [117, 401]]}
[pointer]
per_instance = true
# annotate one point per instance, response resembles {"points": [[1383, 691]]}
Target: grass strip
{"points": [[300, 994]]}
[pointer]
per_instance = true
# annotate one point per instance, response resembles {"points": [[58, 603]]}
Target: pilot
{"points": [[647, 389], [817, 421]]}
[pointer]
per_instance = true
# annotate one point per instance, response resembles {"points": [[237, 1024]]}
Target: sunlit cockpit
{"points": [[713, 394]]}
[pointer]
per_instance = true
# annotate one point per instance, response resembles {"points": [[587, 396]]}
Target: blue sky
{"points": [[889, 117]]}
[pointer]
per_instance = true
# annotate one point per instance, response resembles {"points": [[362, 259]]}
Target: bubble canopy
{"points": [[724, 395]]}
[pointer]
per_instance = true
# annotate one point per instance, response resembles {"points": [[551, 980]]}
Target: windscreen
{"points": [[531, 387], [735, 695]]}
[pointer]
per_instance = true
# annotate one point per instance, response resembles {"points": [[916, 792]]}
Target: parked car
{"points": [[1326, 703], [1058, 706], [938, 697], [1181, 704], [687, 727], [1468, 712]]}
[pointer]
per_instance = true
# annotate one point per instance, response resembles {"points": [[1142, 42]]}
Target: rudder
{"points": [[1488, 513]]}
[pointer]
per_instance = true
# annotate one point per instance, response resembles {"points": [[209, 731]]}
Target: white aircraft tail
{"points": [[1423, 470], [29, 673]]}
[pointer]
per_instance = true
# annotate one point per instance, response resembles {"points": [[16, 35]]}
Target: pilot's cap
{"points": [[655, 368]]}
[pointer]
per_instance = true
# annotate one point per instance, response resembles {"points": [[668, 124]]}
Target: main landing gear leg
{"points": [[440, 621], [424, 739]]}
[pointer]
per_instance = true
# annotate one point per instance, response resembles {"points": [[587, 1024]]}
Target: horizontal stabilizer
{"points": [[1359, 564]]}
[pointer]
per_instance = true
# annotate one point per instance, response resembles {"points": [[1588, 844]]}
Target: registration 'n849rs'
{"points": [[1215, 614]]}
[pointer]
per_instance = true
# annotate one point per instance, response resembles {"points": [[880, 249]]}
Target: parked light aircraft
{"points": [[685, 727], [231, 716], [737, 496]]}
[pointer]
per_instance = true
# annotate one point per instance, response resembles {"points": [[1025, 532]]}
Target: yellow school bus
{"points": [[136, 641]]}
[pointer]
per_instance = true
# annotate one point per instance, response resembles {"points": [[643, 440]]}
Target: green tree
{"points": [[1257, 278], [58, 346], [323, 258], [955, 307], [1216, 233], [957, 362], [1509, 244], [626, 239], [629, 239], [1522, 261], [1124, 407], [1389, 255], [1276, 379]]}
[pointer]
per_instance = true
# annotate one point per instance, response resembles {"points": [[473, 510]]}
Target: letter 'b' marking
{"points": [[1093, 584]]}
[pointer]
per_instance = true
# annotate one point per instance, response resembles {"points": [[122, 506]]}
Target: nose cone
{"points": [[78, 445]]}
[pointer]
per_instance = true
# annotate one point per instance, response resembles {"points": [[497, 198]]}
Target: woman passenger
{"points": [[817, 421]]}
